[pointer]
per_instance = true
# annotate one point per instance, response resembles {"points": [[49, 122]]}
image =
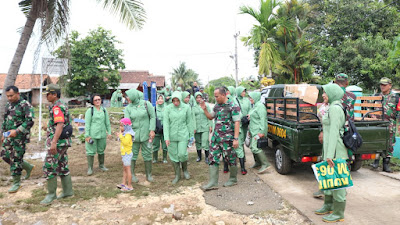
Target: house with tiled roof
{"points": [[29, 86], [135, 78]]}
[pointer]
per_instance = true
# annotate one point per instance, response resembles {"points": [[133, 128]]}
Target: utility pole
{"points": [[236, 58]]}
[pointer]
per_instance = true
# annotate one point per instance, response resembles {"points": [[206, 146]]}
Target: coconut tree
{"points": [[262, 34], [183, 77], [53, 16]]}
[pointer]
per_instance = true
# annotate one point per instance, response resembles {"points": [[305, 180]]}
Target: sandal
{"points": [[120, 186], [126, 189]]}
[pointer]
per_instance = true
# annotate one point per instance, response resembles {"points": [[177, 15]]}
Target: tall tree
{"points": [[262, 34], [94, 62], [54, 18], [353, 37], [183, 77]]}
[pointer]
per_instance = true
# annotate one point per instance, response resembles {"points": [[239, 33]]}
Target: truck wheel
{"points": [[356, 165], [283, 163]]}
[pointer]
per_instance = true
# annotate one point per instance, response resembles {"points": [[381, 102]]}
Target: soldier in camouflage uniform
{"points": [[389, 103], [56, 161], [18, 120], [225, 136], [205, 95]]}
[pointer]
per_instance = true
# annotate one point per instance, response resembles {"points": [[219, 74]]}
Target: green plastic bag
{"points": [[332, 178]]}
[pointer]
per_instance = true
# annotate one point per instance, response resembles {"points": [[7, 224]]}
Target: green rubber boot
{"points": [[257, 162], [66, 183], [232, 177], [90, 160], [185, 171], [51, 191], [177, 169], [28, 168], [338, 213], [213, 182], [318, 194], [327, 207], [155, 157], [16, 184], [262, 158], [101, 162], [147, 168], [133, 164], [164, 156]]}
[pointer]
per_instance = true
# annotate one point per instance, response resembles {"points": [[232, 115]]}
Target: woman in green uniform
{"points": [[186, 100], [159, 136], [143, 119], [203, 128], [244, 104], [333, 148], [258, 128], [97, 127], [176, 134]]}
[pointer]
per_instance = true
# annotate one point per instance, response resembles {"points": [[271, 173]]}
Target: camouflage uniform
{"points": [[205, 97], [19, 117], [348, 101], [390, 114], [222, 139], [57, 165]]}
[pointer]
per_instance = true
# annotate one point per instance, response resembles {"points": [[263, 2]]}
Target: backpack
{"points": [[351, 138], [159, 126]]}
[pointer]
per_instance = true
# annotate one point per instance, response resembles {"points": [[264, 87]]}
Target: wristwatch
{"points": [[235, 138]]}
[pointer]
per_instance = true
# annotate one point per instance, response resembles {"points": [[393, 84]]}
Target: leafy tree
{"points": [[223, 81], [353, 37], [183, 77], [261, 35], [94, 62], [210, 91], [54, 17], [251, 84]]}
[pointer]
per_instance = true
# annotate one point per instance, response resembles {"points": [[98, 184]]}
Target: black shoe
{"points": [[226, 167], [386, 165], [375, 164], [206, 160], [198, 156], [244, 171]]}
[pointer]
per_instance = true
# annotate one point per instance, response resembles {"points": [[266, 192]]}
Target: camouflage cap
{"points": [[51, 88], [385, 80], [341, 77]]}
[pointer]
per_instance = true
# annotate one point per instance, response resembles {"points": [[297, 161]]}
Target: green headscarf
{"points": [[178, 95], [256, 96], [133, 95], [333, 91], [239, 91]]}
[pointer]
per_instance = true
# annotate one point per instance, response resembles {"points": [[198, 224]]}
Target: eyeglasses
{"points": [[97, 100]]}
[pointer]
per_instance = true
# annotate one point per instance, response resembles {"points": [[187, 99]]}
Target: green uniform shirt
{"points": [[203, 124], [58, 112], [177, 120], [98, 125], [258, 116], [19, 117]]}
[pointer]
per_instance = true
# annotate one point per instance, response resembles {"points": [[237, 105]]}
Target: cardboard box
{"points": [[305, 92]]}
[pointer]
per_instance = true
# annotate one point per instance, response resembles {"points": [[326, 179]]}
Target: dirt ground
{"points": [[97, 201]]}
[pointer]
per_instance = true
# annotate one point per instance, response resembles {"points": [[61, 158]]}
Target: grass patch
{"points": [[394, 164], [32, 204], [1, 195]]}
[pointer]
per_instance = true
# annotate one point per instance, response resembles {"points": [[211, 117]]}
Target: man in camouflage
{"points": [[389, 103], [18, 120], [205, 95], [225, 136], [56, 161]]}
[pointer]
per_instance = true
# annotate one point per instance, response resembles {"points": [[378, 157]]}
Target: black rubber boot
{"points": [[243, 169], [206, 152], [375, 164], [386, 165], [226, 167], [198, 156]]}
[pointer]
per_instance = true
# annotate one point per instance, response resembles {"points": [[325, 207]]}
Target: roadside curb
{"points": [[395, 176]]}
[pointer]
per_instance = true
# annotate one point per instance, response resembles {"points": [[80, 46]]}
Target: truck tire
{"points": [[356, 165], [283, 164]]}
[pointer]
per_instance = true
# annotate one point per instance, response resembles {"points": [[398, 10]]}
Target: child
{"points": [[127, 136]]}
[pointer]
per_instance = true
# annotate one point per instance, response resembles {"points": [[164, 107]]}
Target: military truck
{"points": [[293, 128]]}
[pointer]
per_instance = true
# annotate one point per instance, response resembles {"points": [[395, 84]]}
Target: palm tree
{"points": [[54, 18], [262, 35], [183, 77]]}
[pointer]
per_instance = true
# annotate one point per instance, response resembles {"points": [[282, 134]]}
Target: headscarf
{"points": [[333, 91], [127, 127], [178, 95], [133, 95]]}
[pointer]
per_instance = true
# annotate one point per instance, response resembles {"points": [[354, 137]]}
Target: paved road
{"points": [[374, 199]]}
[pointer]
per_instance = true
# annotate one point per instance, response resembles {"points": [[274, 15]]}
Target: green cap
{"points": [[341, 77], [52, 88], [385, 80]]}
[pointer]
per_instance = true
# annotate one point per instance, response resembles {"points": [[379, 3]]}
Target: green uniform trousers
{"points": [[338, 195], [12, 152], [56, 165], [253, 145], [177, 151], [202, 141], [146, 151], [156, 143], [98, 146], [242, 138]]}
